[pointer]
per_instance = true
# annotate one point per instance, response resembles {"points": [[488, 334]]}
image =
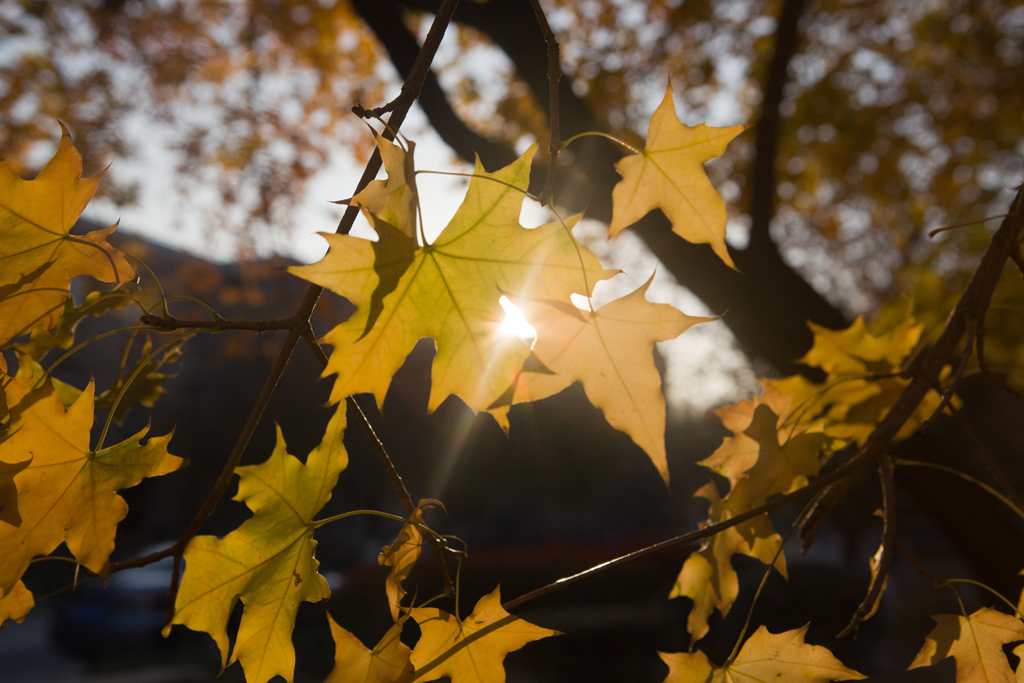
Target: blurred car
{"points": [[128, 611]]}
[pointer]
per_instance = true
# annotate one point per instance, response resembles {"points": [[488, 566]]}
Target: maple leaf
{"points": [[38, 258], [401, 555], [268, 562], [708, 577], [757, 466], [448, 290], [96, 304], [764, 657], [356, 663], [66, 493], [976, 642], [393, 200], [16, 603], [35, 375], [669, 175], [471, 650], [611, 352], [147, 385]]}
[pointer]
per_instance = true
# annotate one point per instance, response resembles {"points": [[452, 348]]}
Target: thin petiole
{"points": [[138, 370], [599, 134]]}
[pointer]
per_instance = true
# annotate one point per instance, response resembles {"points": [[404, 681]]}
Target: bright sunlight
{"points": [[515, 323]]}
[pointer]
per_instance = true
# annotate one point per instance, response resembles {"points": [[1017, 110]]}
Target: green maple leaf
{"points": [[268, 562], [449, 291]]}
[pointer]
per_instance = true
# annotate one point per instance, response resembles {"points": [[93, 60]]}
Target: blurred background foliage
{"points": [[897, 116]]}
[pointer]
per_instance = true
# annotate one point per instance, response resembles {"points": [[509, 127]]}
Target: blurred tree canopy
{"points": [[875, 122]]}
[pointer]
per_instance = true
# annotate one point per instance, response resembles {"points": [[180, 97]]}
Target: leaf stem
{"points": [[457, 174], [597, 133], [138, 371], [900, 462], [760, 587]]}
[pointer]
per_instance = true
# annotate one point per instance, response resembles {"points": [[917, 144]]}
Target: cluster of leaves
{"points": [[55, 487]]}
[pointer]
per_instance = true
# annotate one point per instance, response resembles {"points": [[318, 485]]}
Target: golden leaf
{"points": [[268, 562], [669, 175], [471, 650], [38, 258]]}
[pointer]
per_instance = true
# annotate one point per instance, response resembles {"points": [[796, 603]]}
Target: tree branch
{"points": [[414, 82], [766, 147]]}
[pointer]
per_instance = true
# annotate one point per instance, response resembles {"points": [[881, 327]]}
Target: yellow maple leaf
{"points": [[471, 650], [356, 663], [392, 200], [610, 351], [448, 290], [16, 603], [764, 657], [669, 175], [758, 467], [268, 562], [95, 303], [66, 492], [853, 399], [401, 555], [38, 258], [708, 577], [976, 642]]}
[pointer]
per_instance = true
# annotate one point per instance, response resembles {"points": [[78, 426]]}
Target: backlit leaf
{"points": [[16, 603], [96, 303], [268, 562], [708, 577], [764, 657], [38, 258], [976, 642], [611, 351], [758, 466], [392, 200], [356, 663], [669, 175], [471, 650], [449, 290], [401, 555], [67, 493]]}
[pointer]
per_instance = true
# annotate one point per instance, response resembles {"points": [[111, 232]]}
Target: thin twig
{"points": [[554, 75], [888, 546], [396, 479], [925, 572], [936, 231], [954, 381], [994, 469], [170, 324], [846, 470]]}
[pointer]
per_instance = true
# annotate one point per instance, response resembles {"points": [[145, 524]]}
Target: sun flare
{"points": [[515, 323]]}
